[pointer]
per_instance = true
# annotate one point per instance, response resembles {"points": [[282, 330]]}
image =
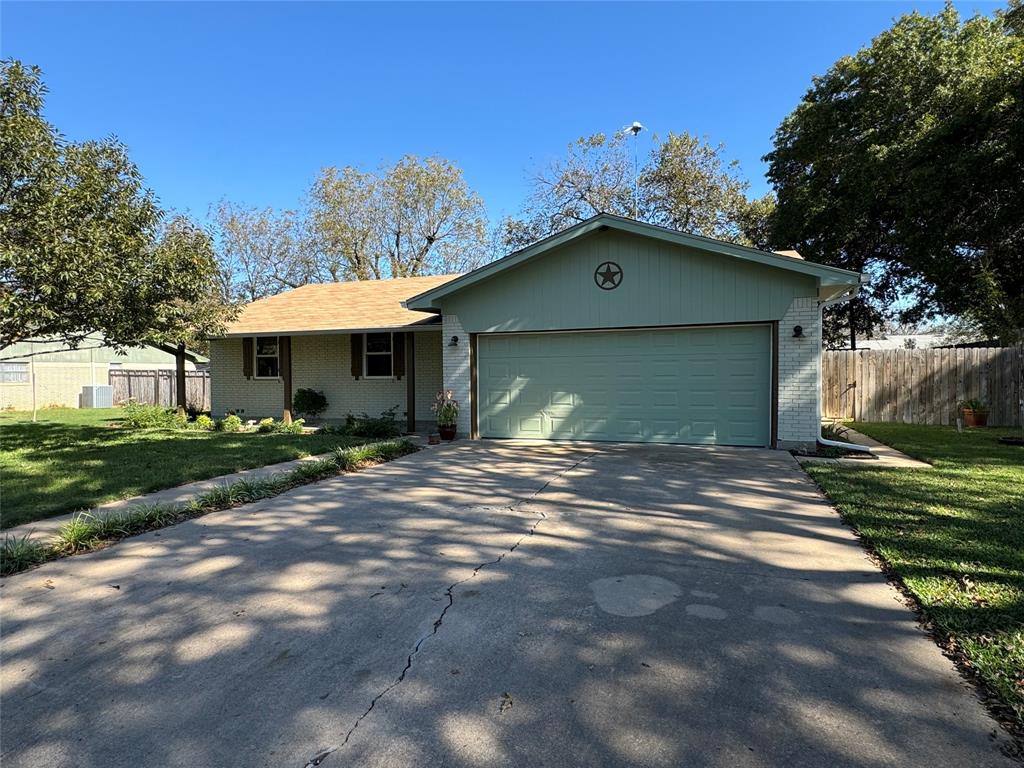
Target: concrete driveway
{"points": [[490, 604]]}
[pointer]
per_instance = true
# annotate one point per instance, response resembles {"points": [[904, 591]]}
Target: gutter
{"points": [[844, 296]]}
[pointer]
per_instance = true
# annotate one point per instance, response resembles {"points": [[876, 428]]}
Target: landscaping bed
{"points": [[79, 458], [953, 537]]}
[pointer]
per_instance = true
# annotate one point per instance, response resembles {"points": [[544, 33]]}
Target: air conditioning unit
{"points": [[98, 396]]}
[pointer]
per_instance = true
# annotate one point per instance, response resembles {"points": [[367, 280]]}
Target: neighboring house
{"points": [[59, 372], [611, 330]]}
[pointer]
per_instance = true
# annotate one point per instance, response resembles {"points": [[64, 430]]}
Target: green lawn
{"points": [[73, 459], [953, 534]]}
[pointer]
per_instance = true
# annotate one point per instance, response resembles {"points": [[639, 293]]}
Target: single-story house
{"points": [[612, 330]]}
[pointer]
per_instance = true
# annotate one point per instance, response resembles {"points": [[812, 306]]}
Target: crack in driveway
{"points": [[450, 594], [319, 758]]}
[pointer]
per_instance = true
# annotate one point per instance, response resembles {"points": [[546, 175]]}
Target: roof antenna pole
{"points": [[635, 128]]}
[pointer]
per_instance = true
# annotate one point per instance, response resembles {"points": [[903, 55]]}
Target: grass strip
{"points": [[87, 531]]}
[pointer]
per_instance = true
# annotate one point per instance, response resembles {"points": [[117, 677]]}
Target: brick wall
{"points": [[456, 367], [322, 363], [799, 389]]}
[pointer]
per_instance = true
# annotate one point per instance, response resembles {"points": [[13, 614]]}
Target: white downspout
{"points": [[844, 296]]}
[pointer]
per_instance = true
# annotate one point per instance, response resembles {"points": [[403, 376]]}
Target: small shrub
{"points": [[383, 426], [295, 428], [143, 416], [309, 403], [973, 404], [230, 424], [204, 423], [266, 426]]}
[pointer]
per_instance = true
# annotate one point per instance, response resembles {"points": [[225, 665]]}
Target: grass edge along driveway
{"points": [[74, 459], [954, 537]]}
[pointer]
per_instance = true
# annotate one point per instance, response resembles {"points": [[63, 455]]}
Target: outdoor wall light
{"points": [[454, 342], [798, 331]]}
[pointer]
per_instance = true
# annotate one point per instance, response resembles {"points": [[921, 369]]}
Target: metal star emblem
{"points": [[608, 276]]}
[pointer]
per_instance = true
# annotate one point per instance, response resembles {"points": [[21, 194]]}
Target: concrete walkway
{"points": [[882, 456], [181, 494], [490, 604]]}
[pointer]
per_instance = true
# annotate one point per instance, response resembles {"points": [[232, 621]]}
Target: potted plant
{"points": [[974, 412], [447, 411]]}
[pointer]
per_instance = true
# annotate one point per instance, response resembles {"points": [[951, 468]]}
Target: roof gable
{"points": [[426, 301]]}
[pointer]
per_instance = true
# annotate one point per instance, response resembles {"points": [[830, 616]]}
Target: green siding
{"points": [[58, 352], [698, 385], [663, 284]]}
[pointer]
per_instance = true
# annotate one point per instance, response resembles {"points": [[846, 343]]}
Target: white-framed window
{"points": [[13, 373], [267, 363], [377, 355]]}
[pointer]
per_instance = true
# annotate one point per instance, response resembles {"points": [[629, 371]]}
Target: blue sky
{"points": [[246, 101]]}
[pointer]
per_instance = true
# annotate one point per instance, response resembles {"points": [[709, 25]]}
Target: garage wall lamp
{"points": [[798, 331], [454, 342]]}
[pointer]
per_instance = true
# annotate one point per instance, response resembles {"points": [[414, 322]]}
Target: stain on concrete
{"points": [[703, 595], [706, 612], [776, 615], [634, 594]]}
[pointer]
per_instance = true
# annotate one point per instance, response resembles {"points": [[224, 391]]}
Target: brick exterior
{"points": [[799, 388], [322, 363], [456, 367]]}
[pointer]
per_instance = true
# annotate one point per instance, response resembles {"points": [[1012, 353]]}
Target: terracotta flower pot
{"points": [[974, 418], [447, 431]]}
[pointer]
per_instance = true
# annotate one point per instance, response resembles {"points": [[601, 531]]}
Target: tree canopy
{"points": [[84, 247], [906, 160], [685, 183], [416, 217]]}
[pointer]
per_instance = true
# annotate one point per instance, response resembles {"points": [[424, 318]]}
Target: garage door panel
{"points": [[708, 385]]}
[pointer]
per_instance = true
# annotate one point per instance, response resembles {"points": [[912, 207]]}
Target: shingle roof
{"points": [[354, 306]]}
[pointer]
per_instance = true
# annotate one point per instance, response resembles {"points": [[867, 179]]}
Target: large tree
{"points": [[84, 248], [685, 183], [906, 160], [260, 252], [415, 217]]}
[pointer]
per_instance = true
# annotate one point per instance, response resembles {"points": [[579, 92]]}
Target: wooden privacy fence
{"points": [[921, 386], [159, 387]]}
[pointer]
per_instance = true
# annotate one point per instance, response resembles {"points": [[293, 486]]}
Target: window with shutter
{"points": [[378, 356], [268, 365]]}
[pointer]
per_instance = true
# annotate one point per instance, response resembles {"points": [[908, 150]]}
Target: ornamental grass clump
{"points": [[18, 553]]}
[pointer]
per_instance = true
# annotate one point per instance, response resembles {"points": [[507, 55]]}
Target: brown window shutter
{"points": [[247, 357], [357, 355], [398, 355]]}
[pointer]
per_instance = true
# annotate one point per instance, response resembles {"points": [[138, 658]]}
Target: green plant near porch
{"points": [[309, 403], [446, 408]]}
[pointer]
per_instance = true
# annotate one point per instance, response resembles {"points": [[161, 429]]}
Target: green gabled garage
{"points": [[617, 330]]}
